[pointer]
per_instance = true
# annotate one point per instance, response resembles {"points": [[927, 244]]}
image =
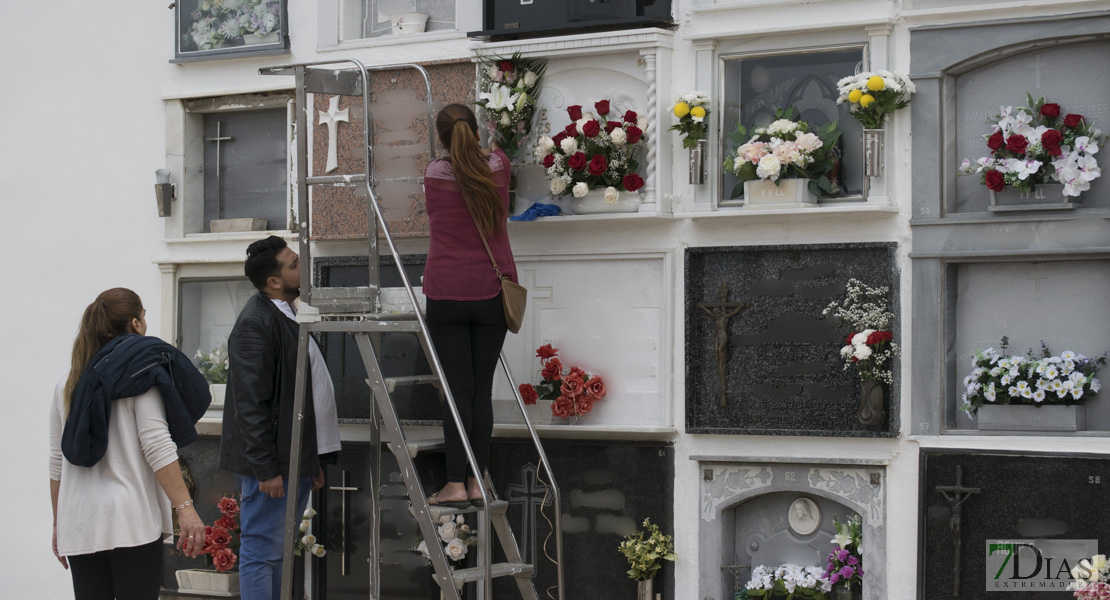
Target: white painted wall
{"points": [[84, 129]]}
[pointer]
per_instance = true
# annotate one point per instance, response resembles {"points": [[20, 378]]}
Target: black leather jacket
{"points": [[258, 408]]}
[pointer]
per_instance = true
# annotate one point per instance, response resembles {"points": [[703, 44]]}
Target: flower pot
{"points": [[873, 152], [408, 23], [1046, 196], [789, 193], [252, 39], [872, 410], [643, 589], [208, 583], [843, 592], [1030, 417], [594, 203], [218, 390]]}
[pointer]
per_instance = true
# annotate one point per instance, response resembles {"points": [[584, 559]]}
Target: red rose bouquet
{"points": [[596, 150], [1035, 145], [221, 538], [573, 390]]}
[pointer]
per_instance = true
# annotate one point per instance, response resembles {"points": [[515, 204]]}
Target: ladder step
{"points": [[462, 576], [498, 507], [430, 445], [335, 179], [391, 383]]}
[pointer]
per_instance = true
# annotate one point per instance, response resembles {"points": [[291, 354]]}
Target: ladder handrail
{"points": [[433, 357]]}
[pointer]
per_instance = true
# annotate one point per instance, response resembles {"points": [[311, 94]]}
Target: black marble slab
{"points": [[784, 371], [1018, 497], [400, 352]]}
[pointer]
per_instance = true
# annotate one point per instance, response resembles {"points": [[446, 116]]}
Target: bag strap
{"points": [[481, 235]]}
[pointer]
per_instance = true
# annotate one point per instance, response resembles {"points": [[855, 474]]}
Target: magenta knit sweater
{"points": [[458, 267]]}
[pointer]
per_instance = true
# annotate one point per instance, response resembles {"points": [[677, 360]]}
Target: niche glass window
{"points": [[246, 166], [214, 28], [208, 309], [755, 86], [380, 18]]}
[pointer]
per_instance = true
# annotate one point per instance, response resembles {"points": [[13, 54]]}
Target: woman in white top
{"points": [[110, 518]]}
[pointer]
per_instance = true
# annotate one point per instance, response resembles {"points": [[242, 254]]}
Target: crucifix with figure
{"points": [[956, 495], [722, 310]]}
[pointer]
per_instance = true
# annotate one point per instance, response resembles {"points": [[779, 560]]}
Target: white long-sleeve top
{"points": [[116, 503]]}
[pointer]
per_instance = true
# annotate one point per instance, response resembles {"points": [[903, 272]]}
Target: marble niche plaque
{"points": [[400, 145], [969, 499], [782, 370], [1060, 75], [771, 514]]}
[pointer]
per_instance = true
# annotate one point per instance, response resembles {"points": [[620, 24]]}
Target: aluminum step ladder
{"points": [[357, 311]]}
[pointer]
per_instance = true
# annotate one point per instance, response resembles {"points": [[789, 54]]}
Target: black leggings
{"points": [[120, 573], [468, 336]]}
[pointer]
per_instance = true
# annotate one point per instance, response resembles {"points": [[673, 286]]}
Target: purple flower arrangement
{"points": [[845, 565]]}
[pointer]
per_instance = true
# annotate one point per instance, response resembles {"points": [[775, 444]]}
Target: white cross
{"points": [[332, 119], [1036, 65]]}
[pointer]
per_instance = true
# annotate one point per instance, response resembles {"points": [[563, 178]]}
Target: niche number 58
{"points": [[1094, 479]]}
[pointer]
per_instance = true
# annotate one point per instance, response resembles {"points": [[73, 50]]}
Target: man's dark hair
{"points": [[262, 261]]}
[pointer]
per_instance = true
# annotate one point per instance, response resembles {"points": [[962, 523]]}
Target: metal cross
{"points": [[1037, 65], [737, 585], [722, 310], [531, 494], [218, 139], [343, 488], [956, 495], [332, 119]]}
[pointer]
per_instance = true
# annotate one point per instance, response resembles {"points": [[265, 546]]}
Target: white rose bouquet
{"points": [[456, 536]]}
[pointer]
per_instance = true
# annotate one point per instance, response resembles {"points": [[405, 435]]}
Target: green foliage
{"points": [[644, 550], [213, 365]]}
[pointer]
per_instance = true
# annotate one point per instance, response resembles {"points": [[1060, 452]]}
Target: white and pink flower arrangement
{"points": [[1034, 145], [787, 148], [1092, 579], [595, 151]]}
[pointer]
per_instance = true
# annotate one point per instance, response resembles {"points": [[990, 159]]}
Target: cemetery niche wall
{"points": [[761, 358], [982, 271], [972, 499], [773, 513]]}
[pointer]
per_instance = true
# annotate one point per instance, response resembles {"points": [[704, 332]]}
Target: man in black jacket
{"points": [[258, 415]]}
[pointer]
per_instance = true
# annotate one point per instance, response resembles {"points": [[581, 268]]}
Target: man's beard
{"points": [[295, 291]]}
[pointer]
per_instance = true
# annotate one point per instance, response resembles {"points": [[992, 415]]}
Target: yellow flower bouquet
{"points": [[691, 110], [873, 95]]}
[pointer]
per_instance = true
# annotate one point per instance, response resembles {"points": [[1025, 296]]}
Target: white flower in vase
{"points": [[529, 79], [447, 531], [456, 549], [580, 189], [499, 98], [768, 168], [611, 195], [618, 136], [558, 186], [569, 146]]}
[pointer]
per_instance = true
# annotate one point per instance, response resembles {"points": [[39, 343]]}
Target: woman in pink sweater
{"points": [[464, 312]]}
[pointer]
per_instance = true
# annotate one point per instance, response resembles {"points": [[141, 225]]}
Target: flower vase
{"points": [[1045, 196], [871, 402], [844, 592], [643, 589], [787, 193], [253, 39], [218, 391], [207, 582], [1031, 417], [697, 162], [594, 203], [873, 140]]}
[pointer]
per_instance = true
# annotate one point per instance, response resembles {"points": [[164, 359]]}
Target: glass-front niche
{"points": [[207, 312], [755, 86], [215, 28], [381, 18]]}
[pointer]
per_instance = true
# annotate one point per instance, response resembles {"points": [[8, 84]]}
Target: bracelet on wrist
{"points": [[182, 506]]}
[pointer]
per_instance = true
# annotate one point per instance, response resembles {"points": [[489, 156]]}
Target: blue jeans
{"points": [[262, 538]]}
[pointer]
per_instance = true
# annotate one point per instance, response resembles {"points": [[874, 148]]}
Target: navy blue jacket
{"points": [[127, 366]]}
